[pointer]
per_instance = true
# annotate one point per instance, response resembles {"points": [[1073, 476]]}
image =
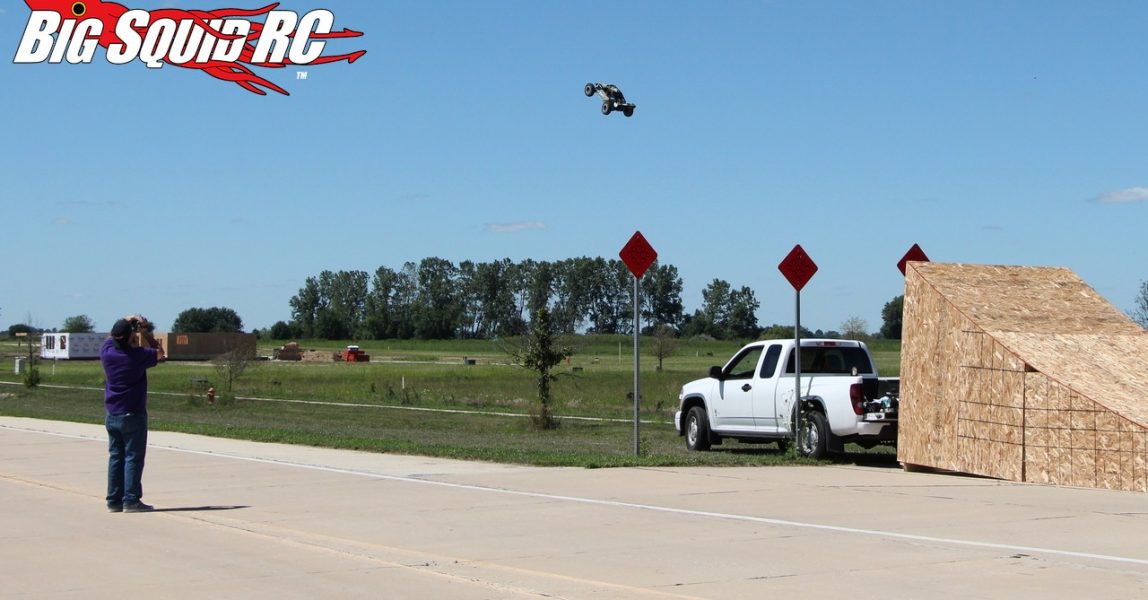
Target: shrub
{"points": [[32, 377]]}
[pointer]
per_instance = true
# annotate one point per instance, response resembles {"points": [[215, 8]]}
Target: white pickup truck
{"points": [[750, 399]]}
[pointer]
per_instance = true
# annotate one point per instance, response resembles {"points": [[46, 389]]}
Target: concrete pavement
{"points": [[251, 520]]}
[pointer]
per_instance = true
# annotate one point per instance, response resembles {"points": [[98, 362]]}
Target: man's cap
{"points": [[122, 329]]}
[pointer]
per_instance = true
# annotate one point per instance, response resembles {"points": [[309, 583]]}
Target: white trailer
{"points": [[69, 346]]}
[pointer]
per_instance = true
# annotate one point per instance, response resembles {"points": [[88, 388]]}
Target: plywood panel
{"points": [[1110, 370]]}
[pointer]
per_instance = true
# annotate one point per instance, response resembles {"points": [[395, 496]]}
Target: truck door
{"points": [[765, 413], [734, 406]]}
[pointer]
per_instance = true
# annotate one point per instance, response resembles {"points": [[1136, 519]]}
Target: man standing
{"points": [[126, 359]]}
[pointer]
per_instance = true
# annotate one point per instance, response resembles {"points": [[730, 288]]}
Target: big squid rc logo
{"points": [[224, 43]]}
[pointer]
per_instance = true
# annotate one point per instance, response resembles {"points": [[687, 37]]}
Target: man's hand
{"points": [[146, 331]]}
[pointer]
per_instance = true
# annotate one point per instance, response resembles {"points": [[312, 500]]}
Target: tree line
{"points": [[437, 299]]}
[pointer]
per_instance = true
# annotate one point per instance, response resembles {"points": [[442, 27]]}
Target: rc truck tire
{"points": [[697, 429], [629, 112], [814, 436], [589, 89], [606, 108]]}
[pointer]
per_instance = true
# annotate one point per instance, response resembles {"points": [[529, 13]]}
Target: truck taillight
{"points": [[857, 398]]}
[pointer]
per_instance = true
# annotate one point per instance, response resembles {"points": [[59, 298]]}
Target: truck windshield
{"points": [[834, 360]]}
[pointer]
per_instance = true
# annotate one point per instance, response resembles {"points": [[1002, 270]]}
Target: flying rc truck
{"points": [[612, 98]]}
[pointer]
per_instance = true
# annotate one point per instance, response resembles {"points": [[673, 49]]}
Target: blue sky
{"points": [[987, 132]]}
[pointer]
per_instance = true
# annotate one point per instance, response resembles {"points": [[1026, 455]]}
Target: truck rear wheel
{"points": [[814, 436], [697, 429]]}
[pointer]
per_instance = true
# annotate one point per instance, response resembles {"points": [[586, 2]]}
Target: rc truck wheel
{"points": [[629, 112], [697, 429], [606, 108], [814, 435], [589, 89]]}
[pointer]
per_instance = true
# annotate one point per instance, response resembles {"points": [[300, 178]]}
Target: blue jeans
{"points": [[127, 445]]}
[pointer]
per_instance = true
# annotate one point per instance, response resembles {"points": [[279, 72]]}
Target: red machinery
{"points": [[355, 354]]}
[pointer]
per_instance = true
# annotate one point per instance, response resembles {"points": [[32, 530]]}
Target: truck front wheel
{"points": [[697, 429], [814, 435]]}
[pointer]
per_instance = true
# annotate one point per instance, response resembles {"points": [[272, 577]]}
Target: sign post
{"points": [[798, 269], [638, 255]]}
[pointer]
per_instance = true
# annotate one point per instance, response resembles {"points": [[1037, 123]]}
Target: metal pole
{"points": [[637, 396], [797, 370]]}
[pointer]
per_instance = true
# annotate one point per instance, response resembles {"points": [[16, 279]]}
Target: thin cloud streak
{"points": [[514, 227], [1126, 196]]}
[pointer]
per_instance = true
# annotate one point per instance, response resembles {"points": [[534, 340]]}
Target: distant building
{"points": [[205, 346], [71, 346]]}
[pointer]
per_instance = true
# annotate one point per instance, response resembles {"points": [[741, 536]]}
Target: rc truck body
{"points": [[612, 98]]}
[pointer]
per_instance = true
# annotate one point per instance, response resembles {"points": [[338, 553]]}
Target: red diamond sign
{"points": [[914, 253], [638, 254], [797, 267]]}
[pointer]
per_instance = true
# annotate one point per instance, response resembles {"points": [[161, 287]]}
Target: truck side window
{"points": [[806, 360], [769, 366], [744, 365], [831, 361]]}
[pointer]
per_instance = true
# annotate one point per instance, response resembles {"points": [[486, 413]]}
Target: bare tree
{"points": [[855, 328], [232, 364], [665, 343]]}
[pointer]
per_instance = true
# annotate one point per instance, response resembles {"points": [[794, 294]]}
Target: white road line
{"points": [[647, 507]]}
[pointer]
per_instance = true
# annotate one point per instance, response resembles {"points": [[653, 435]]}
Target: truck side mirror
{"points": [[715, 372]]}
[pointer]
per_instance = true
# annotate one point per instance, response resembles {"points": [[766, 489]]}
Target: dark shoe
{"points": [[115, 508], [138, 507]]}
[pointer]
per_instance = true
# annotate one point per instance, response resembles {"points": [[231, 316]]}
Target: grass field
{"points": [[422, 397]]}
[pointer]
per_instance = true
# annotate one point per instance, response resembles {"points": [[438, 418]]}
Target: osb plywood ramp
{"points": [[1021, 373]]}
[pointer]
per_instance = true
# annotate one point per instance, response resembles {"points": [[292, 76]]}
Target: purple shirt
{"points": [[125, 376]]}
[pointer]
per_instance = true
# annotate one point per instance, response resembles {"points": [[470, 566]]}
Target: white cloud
{"points": [[91, 203], [1136, 194], [62, 221], [514, 227]]}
